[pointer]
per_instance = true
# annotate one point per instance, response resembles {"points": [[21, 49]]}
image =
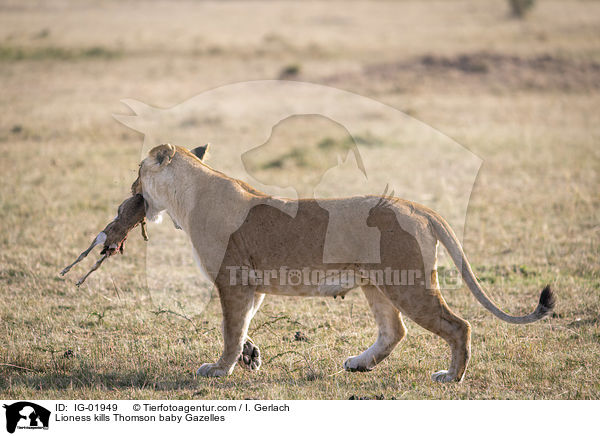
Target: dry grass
{"points": [[521, 94]]}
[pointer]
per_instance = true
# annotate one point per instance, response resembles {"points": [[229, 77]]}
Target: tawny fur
{"points": [[231, 224]]}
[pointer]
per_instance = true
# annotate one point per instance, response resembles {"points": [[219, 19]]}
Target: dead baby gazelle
{"points": [[130, 213]]}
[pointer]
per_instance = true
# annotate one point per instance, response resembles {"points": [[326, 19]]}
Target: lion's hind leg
{"points": [[391, 331], [428, 308]]}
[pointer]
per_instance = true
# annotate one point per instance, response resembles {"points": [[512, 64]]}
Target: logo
{"points": [[296, 140], [26, 415]]}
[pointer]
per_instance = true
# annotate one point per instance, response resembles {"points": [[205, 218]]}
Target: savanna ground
{"points": [[521, 94]]}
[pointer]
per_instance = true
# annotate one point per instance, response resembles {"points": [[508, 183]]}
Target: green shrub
{"points": [[289, 71], [520, 7]]}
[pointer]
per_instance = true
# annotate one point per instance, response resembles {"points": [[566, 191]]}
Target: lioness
{"points": [[235, 228]]}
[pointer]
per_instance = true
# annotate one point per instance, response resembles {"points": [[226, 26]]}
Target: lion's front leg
{"points": [[237, 305]]}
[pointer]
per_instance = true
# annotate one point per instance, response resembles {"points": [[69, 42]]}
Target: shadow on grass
{"points": [[115, 380], [104, 381]]}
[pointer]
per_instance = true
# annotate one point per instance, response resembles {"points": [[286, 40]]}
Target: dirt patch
{"points": [[476, 70]]}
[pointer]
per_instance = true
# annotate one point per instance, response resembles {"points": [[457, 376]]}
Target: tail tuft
{"points": [[547, 301]]}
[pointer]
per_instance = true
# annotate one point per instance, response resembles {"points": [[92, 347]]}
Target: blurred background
{"points": [[517, 83]]}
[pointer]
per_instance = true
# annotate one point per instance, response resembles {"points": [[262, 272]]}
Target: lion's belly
{"points": [[291, 291], [303, 291], [319, 281]]}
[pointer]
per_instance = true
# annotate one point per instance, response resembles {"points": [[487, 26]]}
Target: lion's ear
{"points": [[200, 152], [163, 154]]}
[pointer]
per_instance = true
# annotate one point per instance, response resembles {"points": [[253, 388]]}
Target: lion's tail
{"points": [[446, 235]]}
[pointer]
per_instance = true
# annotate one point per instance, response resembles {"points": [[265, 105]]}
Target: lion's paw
{"points": [[354, 364], [250, 357], [442, 377], [211, 370]]}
